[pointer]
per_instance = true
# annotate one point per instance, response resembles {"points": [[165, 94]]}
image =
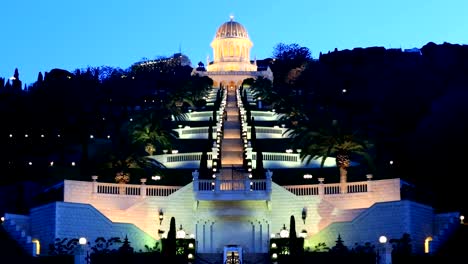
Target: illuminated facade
{"points": [[231, 57], [231, 208]]}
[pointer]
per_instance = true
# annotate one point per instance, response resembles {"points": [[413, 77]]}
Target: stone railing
{"points": [[331, 188], [268, 132], [133, 189], [200, 116], [247, 189], [194, 132], [290, 159], [182, 160], [266, 115]]}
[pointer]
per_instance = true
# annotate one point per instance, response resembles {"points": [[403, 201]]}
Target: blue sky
{"points": [[42, 35]]}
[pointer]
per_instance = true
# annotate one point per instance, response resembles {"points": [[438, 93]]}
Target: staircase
{"points": [[232, 149], [17, 228], [447, 225]]}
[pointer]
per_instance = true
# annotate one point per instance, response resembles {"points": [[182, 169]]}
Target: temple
{"points": [[231, 57], [230, 208]]}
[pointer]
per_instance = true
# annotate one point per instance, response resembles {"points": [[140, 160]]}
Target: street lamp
{"points": [[383, 239], [385, 256], [284, 232], [180, 233], [304, 214], [161, 216]]}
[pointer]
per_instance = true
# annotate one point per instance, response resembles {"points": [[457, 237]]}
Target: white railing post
{"points": [[369, 182], [217, 185], [321, 188], [143, 187], [268, 175], [195, 175], [95, 187]]}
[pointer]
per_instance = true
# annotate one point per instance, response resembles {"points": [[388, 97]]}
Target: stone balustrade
{"points": [[133, 189]]}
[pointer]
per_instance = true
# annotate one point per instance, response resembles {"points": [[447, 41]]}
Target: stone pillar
{"points": [[268, 175], [81, 254], [385, 253], [195, 175], [217, 183], [143, 187], [95, 189], [321, 188], [369, 182]]}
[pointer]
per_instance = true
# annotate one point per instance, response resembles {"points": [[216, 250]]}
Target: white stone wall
{"points": [[215, 223], [391, 219], [82, 220], [43, 223]]}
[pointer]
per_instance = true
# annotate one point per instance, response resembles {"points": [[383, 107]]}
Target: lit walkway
{"points": [[231, 148]]}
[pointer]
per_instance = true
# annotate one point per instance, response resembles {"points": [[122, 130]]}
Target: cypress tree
{"points": [[253, 134], [293, 243], [259, 169], [16, 83], [210, 132], [203, 165], [170, 245]]}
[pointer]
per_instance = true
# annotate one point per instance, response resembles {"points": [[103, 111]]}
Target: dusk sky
{"points": [[42, 35]]}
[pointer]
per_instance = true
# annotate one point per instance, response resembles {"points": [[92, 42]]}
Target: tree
{"points": [[203, 165], [259, 170], [327, 141], [150, 129], [169, 249], [210, 132], [339, 247], [288, 57], [295, 243], [253, 134], [16, 82]]}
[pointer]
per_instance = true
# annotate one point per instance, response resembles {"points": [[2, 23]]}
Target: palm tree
{"points": [[151, 131], [329, 141], [122, 164]]}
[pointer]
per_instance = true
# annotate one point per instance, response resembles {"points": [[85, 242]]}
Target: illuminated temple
{"points": [[231, 208], [231, 57]]}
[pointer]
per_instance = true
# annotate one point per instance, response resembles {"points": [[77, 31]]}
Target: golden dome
{"points": [[231, 29]]}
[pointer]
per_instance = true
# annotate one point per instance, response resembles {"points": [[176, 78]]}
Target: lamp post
{"points": [[161, 216], [385, 253], [81, 251], [304, 214], [284, 233], [180, 233]]}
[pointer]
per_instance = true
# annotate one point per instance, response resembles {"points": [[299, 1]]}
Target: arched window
{"points": [[427, 243], [37, 244]]}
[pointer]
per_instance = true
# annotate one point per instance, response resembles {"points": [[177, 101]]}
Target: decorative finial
{"points": [[231, 17]]}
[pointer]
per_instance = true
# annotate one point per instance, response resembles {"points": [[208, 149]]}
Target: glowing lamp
{"points": [[180, 233], [382, 239], [284, 232], [161, 216], [82, 241]]}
